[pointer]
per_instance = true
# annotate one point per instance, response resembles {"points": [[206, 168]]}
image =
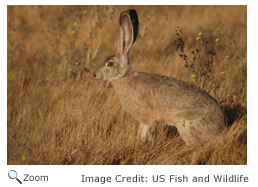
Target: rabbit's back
{"points": [[161, 91]]}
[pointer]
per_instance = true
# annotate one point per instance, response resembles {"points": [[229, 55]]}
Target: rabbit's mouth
{"points": [[100, 80]]}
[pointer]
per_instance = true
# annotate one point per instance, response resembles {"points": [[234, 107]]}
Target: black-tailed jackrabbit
{"points": [[152, 98]]}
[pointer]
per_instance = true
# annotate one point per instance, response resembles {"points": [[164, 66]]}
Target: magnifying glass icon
{"points": [[13, 175]]}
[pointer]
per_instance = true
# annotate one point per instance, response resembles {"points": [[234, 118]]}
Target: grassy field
{"points": [[59, 114]]}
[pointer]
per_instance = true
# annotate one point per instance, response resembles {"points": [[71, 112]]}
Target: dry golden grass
{"points": [[59, 114]]}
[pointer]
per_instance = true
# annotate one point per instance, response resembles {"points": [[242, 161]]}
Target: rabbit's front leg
{"points": [[144, 132]]}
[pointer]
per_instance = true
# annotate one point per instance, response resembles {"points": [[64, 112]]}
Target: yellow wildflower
{"points": [[223, 73], [73, 32], [183, 124], [76, 63], [217, 40], [70, 69], [193, 80], [217, 29], [198, 38], [228, 95], [193, 76], [168, 37], [111, 10], [227, 57], [84, 12], [75, 24], [177, 26], [23, 158], [46, 78], [200, 34]]}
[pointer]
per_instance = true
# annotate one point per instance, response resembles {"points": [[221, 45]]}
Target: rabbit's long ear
{"points": [[129, 26]]}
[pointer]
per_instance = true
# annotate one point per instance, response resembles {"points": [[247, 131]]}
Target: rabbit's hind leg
{"points": [[192, 130]]}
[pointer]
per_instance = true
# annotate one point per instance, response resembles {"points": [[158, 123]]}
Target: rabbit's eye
{"points": [[110, 64]]}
